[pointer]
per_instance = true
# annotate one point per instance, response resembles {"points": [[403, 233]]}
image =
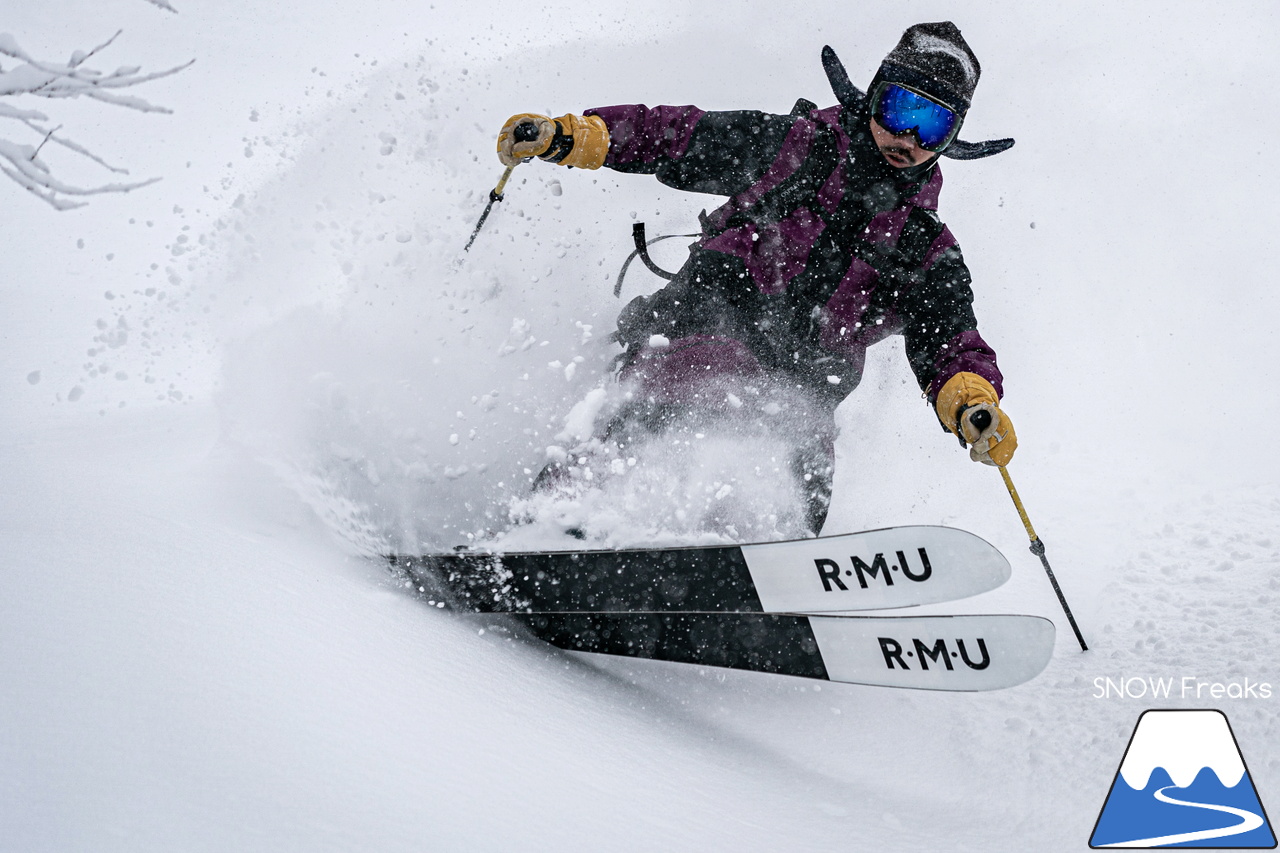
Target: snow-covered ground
{"points": [[222, 390]]}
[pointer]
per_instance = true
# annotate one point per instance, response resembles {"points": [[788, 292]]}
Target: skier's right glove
{"points": [[570, 140], [969, 406]]}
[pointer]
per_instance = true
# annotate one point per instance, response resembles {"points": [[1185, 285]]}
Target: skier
{"points": [[830, 242]]}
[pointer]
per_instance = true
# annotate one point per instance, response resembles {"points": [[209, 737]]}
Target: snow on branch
{"points": [[71, 79]]}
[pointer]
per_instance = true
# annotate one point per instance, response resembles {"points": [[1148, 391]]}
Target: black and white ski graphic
{"points": [[873, 570], [955, 653]]}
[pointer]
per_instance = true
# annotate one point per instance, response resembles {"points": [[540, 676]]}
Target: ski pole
{"points": [[1037, 548], [495, 194], [524, 132]]}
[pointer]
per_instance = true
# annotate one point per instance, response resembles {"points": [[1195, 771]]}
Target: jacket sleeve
{"points": [[687, 148], [939, 326]]}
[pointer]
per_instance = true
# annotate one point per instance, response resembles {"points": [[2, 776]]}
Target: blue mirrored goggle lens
{"points": [[899, 110]]}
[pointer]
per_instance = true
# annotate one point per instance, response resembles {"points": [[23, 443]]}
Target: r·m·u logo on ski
{"points": [[829, 571], [938, 653]]}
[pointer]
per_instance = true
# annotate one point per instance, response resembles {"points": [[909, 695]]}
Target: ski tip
{"points": [[949, 653]]}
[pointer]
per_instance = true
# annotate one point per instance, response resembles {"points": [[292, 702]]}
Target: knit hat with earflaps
{"points": [[936, 60]]}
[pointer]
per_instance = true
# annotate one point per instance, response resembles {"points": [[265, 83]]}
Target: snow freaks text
{"points": [[1178, 687]]}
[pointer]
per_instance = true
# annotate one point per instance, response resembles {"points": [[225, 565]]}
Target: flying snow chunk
{"points": [[659, 341], [580, 422]]}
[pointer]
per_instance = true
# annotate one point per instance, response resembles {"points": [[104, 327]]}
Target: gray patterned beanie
{"points": [[936, 60]]}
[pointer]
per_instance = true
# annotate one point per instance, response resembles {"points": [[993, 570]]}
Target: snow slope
{"points": [[283, 362]]}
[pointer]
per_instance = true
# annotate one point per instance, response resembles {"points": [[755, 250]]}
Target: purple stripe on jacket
{"points": [[927, 197], [695, 369], [842, 330], [967, 352], [773, 253], [833, 190], [795, 148], [885, 228], [940, 244], [640, 134]]}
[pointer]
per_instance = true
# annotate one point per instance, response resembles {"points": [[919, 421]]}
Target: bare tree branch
{"points": [[72, 79], [32, 174], [78, 58], [47, 137], [76, 147], [7, 111]]}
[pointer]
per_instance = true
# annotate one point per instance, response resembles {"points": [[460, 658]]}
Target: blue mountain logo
{"points": [[1183, 783]]}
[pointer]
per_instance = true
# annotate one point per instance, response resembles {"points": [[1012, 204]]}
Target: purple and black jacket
{"points": [[822, 250]]}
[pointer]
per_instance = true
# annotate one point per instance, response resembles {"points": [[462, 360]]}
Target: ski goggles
{"points": [[899, 110]]}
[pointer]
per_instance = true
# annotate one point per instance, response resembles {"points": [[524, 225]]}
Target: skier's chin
{"points": [[898, 158]]}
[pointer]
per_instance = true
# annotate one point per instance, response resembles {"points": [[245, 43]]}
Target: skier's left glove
{"points": [[570, 140], [969, 406]]}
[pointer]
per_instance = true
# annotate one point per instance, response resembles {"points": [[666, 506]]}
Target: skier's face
{"points": [[902, 151]]}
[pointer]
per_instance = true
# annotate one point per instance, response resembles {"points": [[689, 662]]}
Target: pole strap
{"points": [[642, 252]]}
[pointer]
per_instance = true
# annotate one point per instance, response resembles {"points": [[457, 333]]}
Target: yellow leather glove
{"points": [[570, 140], [969, 407]]}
